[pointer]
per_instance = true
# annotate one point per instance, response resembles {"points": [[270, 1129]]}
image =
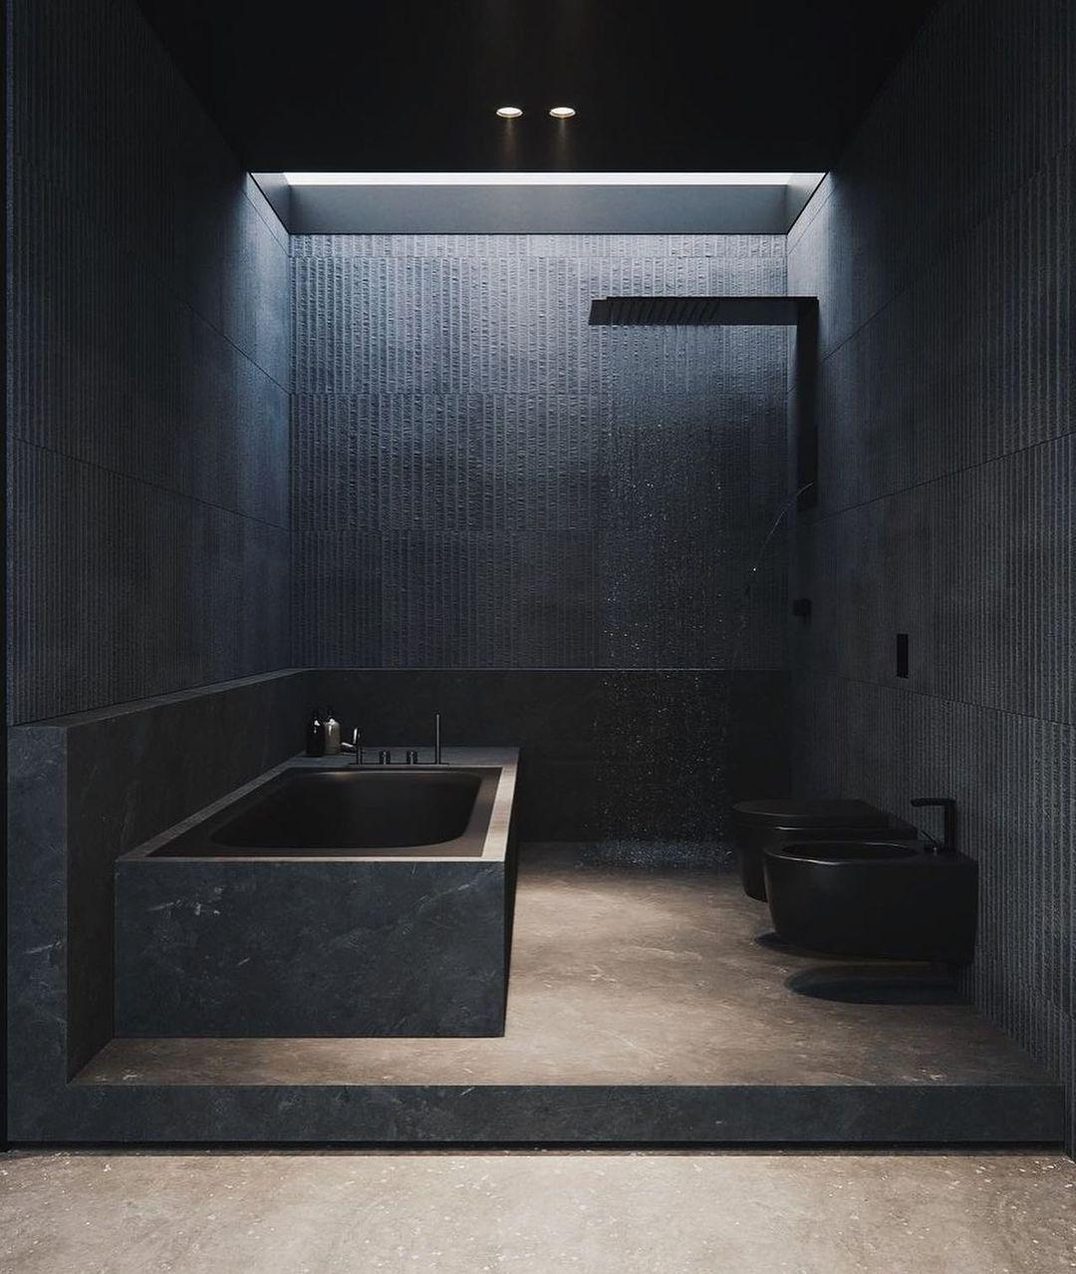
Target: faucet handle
{"points": [[948, 805]]}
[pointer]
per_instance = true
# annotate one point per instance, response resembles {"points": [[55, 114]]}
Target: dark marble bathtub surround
{"points": [[84, 790], [149, 364], [338, 943], [276, 948], [941, 250], [331, 948]]}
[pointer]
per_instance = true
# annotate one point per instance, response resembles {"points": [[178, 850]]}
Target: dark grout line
{"points": [[942, 477], [284, 229], [949, 248], [938, 698], [150, 267], [153, 486], [821, 203]]}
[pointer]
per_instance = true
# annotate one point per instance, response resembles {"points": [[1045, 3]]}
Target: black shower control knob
{"points": [[384, 757], [412, 757]]}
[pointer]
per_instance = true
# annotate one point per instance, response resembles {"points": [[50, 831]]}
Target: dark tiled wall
{"points": [[942, 253], [149, 344], [482, 480]]}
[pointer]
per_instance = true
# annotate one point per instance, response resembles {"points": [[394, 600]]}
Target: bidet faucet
{"points": [[948, 805]]}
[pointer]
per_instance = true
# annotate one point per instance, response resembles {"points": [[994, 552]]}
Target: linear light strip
{"points": [[538, 179]]}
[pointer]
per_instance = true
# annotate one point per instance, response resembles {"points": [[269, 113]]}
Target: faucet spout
{"points": [[948, 806], [354, 746]]}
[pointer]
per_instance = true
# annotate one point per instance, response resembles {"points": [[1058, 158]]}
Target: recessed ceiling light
{"points": [[509, 112], [562, 112]]}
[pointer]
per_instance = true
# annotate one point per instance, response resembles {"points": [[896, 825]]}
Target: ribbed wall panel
{"points": [[978, 567], [941, 250], [149, 364], [447, 462], [513, 488], [983, 102], [571, 246], [472, 324], [965, 364], [119, 580]]}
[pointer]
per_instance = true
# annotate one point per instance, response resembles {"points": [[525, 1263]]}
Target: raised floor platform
{"points": [[643, 1007]]}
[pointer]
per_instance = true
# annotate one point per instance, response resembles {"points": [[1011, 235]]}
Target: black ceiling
{"points": [[658, 85]]}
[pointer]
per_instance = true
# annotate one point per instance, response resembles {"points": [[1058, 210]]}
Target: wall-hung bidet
{"points": [[896, 899]]}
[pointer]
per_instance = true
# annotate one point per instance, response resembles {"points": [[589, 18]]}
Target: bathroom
{"points": [[423, 549]]}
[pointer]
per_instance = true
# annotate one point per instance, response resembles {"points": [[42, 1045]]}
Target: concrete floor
{"points": [[626, 977], [299, 1213]]}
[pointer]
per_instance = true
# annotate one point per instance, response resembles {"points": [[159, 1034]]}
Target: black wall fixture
{"points": [[800, 312], [902, 654], [701, 311], [803, 404]]}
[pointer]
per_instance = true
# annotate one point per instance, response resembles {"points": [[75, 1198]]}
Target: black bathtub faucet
{"points": [[384, 757], [354, 746], [948, 805]]}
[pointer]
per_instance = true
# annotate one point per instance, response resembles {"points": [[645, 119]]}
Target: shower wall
{"points": [[484, 483], [482, 480], [941, 250]]}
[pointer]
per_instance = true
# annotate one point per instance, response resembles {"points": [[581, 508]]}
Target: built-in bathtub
{"points": [[348, 812], [325, 900]]}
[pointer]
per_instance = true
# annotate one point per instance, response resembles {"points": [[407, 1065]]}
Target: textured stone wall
{"points": [[482, 480], [941, 250], [149, 360]]}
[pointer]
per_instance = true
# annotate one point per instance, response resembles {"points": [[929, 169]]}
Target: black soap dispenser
{"points": [[315, 736]]}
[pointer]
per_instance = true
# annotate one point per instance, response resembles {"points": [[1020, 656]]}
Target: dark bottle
{"points": [[315, 736]]}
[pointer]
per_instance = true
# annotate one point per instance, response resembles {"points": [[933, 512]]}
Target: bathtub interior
{"points": [[350, 812]]}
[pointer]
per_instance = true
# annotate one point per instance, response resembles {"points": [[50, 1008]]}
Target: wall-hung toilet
{"points": [[900, 900], [761, 825]]}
